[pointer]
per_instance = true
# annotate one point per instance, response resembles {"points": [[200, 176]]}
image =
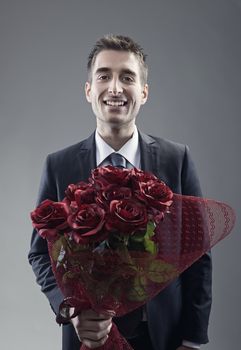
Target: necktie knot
{"points": [[117, 160]]}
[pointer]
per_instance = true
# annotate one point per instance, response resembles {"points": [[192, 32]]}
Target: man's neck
{"points": [[115, 137]]}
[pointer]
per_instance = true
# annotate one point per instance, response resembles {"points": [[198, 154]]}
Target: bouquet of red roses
{"points": [[118, 240]]}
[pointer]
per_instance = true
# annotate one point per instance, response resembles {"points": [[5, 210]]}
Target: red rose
{"points": [[155, 193], [105, 176], [87, 223], [70, 191], [85, 196], [111, 192], [50, 217], [82, 193], [138, 175], [126, 216]]}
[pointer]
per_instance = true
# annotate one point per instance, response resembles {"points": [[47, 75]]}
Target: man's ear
{"points": [[144, 94], [88, 91]]}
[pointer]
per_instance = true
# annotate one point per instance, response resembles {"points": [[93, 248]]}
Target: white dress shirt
{"points": [[131, 151]]}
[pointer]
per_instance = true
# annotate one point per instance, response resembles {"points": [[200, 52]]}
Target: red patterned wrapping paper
{"points": [[118, 240], [124, 280]]}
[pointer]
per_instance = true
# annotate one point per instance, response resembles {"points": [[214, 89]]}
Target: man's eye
{"points": [[127, 79], [103, 77]]}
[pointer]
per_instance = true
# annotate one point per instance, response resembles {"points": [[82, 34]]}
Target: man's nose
{"points": [[115, 87]]}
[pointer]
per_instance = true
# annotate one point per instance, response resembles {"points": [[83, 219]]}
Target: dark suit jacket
{"points": [[179, 312]]}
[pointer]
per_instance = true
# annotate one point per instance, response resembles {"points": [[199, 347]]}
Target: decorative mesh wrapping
{"points": [[124, 280]]}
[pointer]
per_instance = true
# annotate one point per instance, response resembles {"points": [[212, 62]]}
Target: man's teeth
{"points": [[115, 103]]}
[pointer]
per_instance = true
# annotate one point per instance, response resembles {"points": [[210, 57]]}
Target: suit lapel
{"points": [[154, 157], [87, 158], [148, 153]]}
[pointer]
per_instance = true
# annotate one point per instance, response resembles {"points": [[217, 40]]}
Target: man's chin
{"points": [[117, 122], [116, 118]]}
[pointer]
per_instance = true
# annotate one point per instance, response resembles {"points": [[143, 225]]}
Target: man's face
{"points": [[116, 91]]}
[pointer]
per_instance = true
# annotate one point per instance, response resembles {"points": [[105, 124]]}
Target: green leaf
{"points": [[138, 289], [58, 249], [161, 271], [149, 245], [68, 275], [141, 241], [150, 229]]}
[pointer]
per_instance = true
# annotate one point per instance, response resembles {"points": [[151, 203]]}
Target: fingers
{"points": [[91, 344], [92, 328], [94, 339], [91, 321]]}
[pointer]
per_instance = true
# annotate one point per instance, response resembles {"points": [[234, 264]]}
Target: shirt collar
{"points": [[130, 150]]}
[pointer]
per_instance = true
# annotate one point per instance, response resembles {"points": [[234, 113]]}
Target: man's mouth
{"points": [[115, 103]]}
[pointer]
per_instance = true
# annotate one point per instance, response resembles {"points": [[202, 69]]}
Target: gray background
{"points": [[194, 50]]}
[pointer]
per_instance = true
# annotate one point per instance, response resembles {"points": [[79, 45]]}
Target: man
{"points": [[177, 318]]}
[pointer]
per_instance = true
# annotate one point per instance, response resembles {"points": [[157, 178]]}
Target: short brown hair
{"points": [[119, 43]]}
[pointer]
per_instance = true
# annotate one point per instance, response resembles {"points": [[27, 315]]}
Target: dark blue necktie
{"points": [[117, 160]]}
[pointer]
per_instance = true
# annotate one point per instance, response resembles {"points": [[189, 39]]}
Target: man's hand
{"points": [[92, 329]]}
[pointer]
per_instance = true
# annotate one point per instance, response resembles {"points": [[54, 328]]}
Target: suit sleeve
{"points": [[38, 255], [197, 279]]}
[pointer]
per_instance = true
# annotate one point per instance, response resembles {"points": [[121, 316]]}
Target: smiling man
{"points": [[177, 318], [116, 89]]}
